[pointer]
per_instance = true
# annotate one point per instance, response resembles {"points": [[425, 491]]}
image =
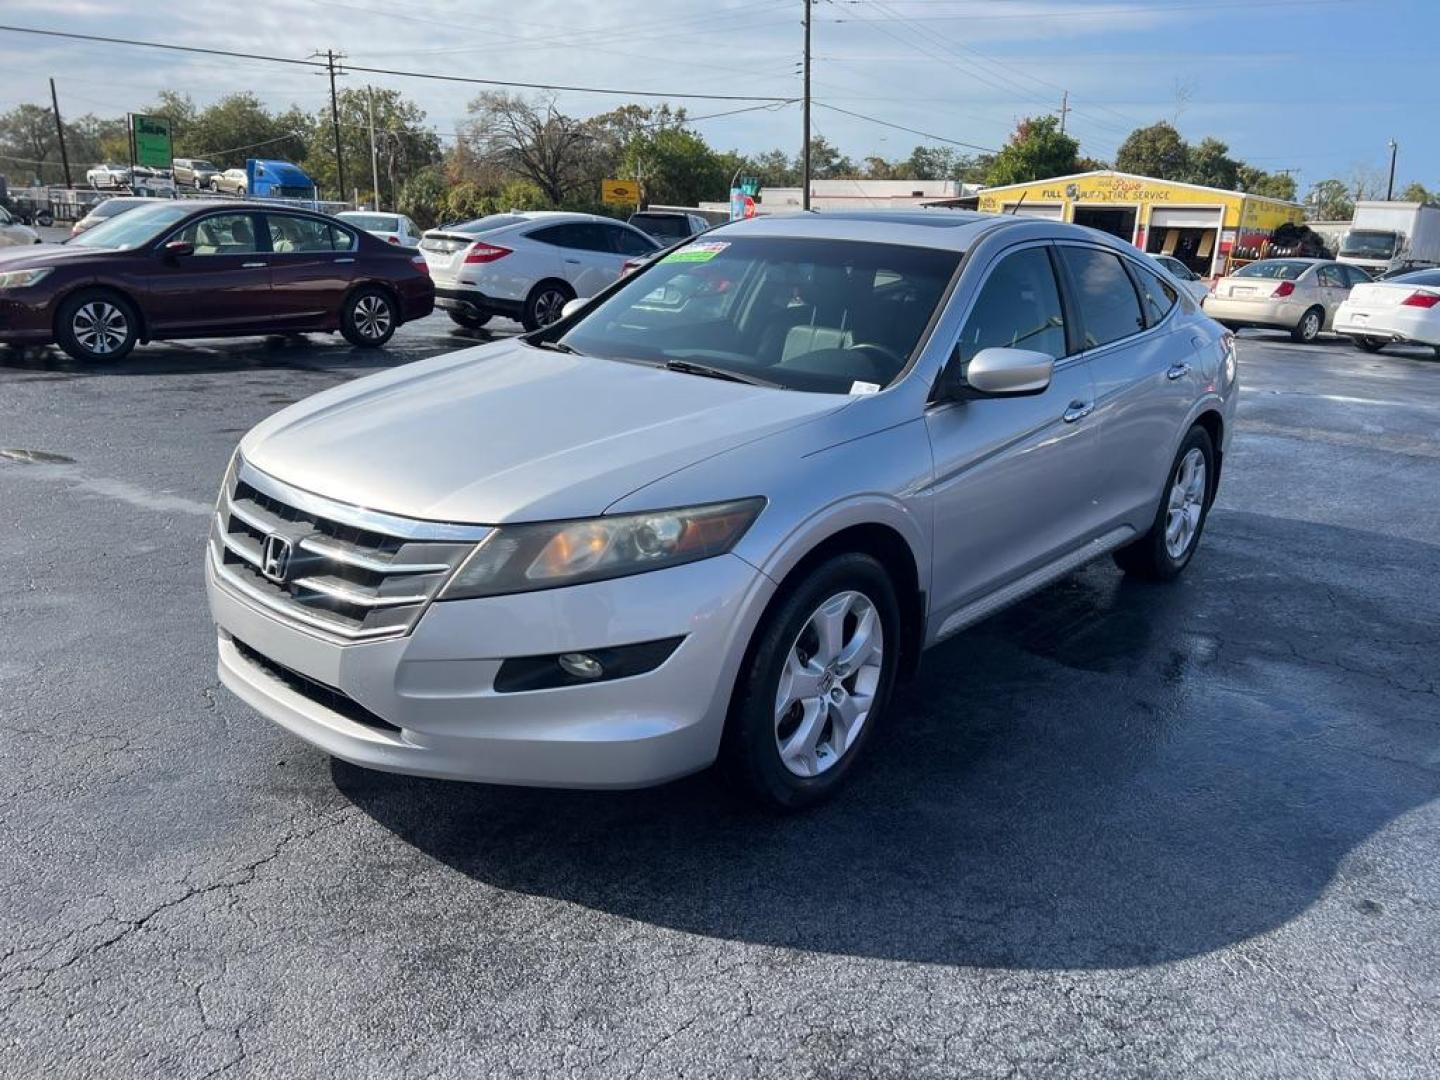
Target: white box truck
{"points": [[1391, 237]]}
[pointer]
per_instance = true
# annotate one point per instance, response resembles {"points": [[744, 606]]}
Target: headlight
{"points": [[524, 558], [18, 279]]}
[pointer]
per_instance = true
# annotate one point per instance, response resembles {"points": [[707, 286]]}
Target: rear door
{"points": [[1140, 357], [1334, 287], [224, 287], [312, 263]]}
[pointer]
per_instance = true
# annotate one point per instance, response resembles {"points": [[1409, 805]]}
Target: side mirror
{"points": [[571, 307], [998, 372], [178, 248]]}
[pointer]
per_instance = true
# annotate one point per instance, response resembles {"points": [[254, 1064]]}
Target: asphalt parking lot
{"points": [[1119, 830]]}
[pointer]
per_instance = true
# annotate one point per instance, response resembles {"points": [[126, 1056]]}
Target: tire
{"points": [[369, 318], [1369, 344], [97, 327], [765, 752], [468, 321], [1309, 326], [542, 306], [45, 219], [1157, 556]]}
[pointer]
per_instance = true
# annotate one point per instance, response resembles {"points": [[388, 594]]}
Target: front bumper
{"points": [[435, 709], [1398, 323]]}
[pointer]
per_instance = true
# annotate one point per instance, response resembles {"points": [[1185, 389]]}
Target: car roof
{"points": [[955, 230]]}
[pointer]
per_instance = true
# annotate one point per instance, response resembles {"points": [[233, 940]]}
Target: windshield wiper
{"points": [[690, 367], [555, 346]]}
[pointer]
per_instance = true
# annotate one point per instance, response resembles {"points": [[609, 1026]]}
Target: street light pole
{"points": [[374, 157], [805, 151], [1390, 187]]}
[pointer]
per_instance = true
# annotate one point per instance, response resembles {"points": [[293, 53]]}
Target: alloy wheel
{"points": [[1186, 505], [100, 327], [828, 684], [372, 317], [548, 306], [1310, 325]]}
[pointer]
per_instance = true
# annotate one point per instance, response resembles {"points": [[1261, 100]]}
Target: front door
{"points": [[224, 287], [1014, 484], [312, 263], [1334, 288]]}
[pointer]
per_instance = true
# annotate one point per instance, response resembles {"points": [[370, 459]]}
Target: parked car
{"points": [[108, 209], [668, 226], [196, 172], [392, 228], [527, 264], [1400, 309], [108, 176], [230, 182], [186, 269], [1190, 281], [718, 510], [15, 234], [1299, 295]]}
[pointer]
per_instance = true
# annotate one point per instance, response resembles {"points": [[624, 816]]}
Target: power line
{"points": [[397, 72], [912, 131]]}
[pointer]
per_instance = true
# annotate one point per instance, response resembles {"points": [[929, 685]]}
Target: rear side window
{"points": [[1018, 308], [1109, 308], [628, 241], [1159, 296], [567, 235], [1331, 278], [291, 234], [1360, 277]]}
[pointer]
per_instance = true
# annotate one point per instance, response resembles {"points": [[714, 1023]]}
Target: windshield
{"points": [[373, 222], [662, 226], [1275, 269], [1368, 244], [832, 316], [134, 228]]}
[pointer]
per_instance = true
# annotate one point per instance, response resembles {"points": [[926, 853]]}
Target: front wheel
{"points": [[369, 319], [545, 303], [1163, 552], [815, 683], [1308, 328], [97, 327]]}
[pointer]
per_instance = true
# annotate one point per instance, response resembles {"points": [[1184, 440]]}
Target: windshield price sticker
{"points": [[858, 387], [697, 253]]}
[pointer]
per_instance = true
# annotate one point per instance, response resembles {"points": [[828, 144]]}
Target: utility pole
{"points": [[374, 157], [1390, 186], [1064, 109], [60, 132], [805, 151], [331, 57]]}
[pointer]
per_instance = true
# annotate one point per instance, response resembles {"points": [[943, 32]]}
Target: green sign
{"points": [[750, 185], [152, 141]]}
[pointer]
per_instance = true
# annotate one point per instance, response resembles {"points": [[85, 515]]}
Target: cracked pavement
{"points": [[1120, 830]]}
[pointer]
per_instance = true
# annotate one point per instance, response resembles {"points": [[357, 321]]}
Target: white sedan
{"points": [[392, 228], [1405, 308], [1190, 281], [13, 233], [108, 176]]}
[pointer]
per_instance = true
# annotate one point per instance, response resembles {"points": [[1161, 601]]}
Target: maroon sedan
{"points": [[209, 269]]}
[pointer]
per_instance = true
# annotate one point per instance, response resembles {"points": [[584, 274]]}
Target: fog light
{"points": [[581, 665]]}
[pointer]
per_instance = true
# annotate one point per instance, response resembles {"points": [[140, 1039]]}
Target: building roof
{"points": [[1132, 176]]}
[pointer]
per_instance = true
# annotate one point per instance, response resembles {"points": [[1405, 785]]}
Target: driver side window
{"points": [[221, 234], [1018, 308]]}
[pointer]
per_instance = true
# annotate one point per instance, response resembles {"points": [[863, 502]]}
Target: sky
{"points": [[1317, 86]]}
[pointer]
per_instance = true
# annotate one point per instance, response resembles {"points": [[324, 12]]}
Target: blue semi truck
{"points": [[268, 179]]}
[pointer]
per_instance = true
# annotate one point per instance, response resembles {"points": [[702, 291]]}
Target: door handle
{"points": [[1177, 371], [1078, 410], [344, 260], [575, 261], [252, 266]]}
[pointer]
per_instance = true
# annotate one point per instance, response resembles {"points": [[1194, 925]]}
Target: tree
{"points": [[675, 167], [1035, 151], [826, 161], [535, 142], [1209, 163], [1258, 182], [404, 145], [238, 127], [27, 140], [1157, 151], [1417, 192], [776, 169], [1329, 200]]}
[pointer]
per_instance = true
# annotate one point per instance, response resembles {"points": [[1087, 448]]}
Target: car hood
{"points": [[506, 432], [25, 256]]}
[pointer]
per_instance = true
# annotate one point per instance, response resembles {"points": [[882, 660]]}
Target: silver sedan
{"points": [[1299, 295], [718, 510]]}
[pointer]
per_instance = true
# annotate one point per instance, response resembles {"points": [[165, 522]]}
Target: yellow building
{"points": [[1209, 229]]}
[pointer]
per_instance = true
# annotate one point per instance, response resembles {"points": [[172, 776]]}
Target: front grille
{"points": [[337, 701], [361, 579]]}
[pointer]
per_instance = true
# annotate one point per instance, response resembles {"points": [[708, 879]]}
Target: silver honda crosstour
{"points": [[715, 512]]}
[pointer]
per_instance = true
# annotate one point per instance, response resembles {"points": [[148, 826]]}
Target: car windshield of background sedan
{"points": [[374, 222], [829, 316], [1275, 269], [130, 230], [1428, 278]]}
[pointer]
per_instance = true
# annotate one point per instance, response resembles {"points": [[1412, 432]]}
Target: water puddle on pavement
{"points": [[36, 457]]}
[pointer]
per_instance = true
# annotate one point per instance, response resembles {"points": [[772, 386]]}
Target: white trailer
{"points": [[1389, 237]]}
